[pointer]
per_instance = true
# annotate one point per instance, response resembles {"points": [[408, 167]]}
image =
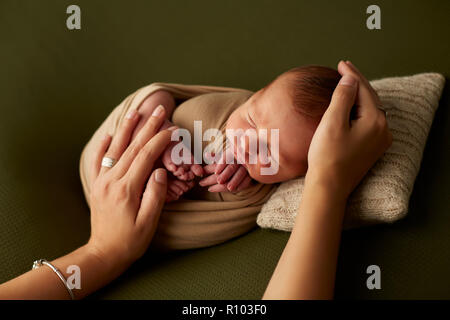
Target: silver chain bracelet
{"points": [[43, 262]]}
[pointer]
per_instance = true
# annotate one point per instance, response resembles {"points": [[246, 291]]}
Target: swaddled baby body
{"points": [[225, 203]]}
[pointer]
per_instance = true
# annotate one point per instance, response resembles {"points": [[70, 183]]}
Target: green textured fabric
{"points": [[58, 85]]}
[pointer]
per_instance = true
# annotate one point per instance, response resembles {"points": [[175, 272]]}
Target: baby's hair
{"points": [[311, 88]]}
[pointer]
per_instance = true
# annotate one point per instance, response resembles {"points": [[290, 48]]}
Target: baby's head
{"points": [[293, 103]]}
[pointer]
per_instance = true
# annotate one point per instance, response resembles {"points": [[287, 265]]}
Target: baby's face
{"points": [[272, 108]]}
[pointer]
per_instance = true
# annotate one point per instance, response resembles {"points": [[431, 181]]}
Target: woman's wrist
{"points": [[112, 263], [328, 183]]}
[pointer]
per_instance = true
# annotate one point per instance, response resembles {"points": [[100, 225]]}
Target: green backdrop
{"points": [[56, 86]]}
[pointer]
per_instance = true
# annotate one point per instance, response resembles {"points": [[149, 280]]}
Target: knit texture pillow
{"points": [[383, 195]]}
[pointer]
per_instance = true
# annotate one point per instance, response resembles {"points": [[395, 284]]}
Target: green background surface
{"points": [[56, 86]]}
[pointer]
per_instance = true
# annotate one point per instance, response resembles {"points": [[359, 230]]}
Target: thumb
{"points": [[153, 199], [343, 100]]}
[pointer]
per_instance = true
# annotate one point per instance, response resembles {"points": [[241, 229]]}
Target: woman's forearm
{"points": [[43, 283], [307, 267]]}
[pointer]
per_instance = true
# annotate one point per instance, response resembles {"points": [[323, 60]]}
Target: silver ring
{"points": [[108, 162]]}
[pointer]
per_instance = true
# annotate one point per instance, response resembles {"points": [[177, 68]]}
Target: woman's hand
{"points": [[125, 207], [125, 202], [341, 152], [342, 149]]}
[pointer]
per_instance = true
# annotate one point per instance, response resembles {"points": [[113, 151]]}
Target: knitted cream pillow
{"points": [[383, 195]]}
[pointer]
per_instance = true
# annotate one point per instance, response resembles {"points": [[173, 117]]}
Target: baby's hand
{"points": [[225, 177], [184, 172], [176, 188]]}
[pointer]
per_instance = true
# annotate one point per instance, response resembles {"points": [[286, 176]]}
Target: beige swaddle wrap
{"points": [[201, 218]]}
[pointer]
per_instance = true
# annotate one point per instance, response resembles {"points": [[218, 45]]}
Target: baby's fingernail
{"points": [[159, 109], [131, 114], [347, 80], [160, 176]]}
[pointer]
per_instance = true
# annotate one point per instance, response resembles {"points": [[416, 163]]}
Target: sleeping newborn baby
{"points": [[293, 103], [226, 200]]}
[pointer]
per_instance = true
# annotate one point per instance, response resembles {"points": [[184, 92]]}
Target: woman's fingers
{"points": [[150, 128], [342, 100], [366, 99], [361, 76], [99, 154], [122, 138], [152, 201], [142, 165]]}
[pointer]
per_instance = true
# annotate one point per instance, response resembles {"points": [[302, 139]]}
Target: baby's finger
{"points": [[244, 184], [190, 184], [218, 188], [227, 173], [209, 169], [175, 189], [208, 181], [186, 176], [181, 184], [197, 170], [171, 196], [237, 178], [220, 167]]}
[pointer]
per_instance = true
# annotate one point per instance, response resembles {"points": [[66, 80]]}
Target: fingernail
{"points": [[131, 114], [172, 128], [347, 80], [349, 63], [159, 109], [160, 176]]}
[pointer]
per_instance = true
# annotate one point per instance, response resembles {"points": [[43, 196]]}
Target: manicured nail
{"points": [[347, 80], [160, 176], [159, 109], [131, 114]]}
